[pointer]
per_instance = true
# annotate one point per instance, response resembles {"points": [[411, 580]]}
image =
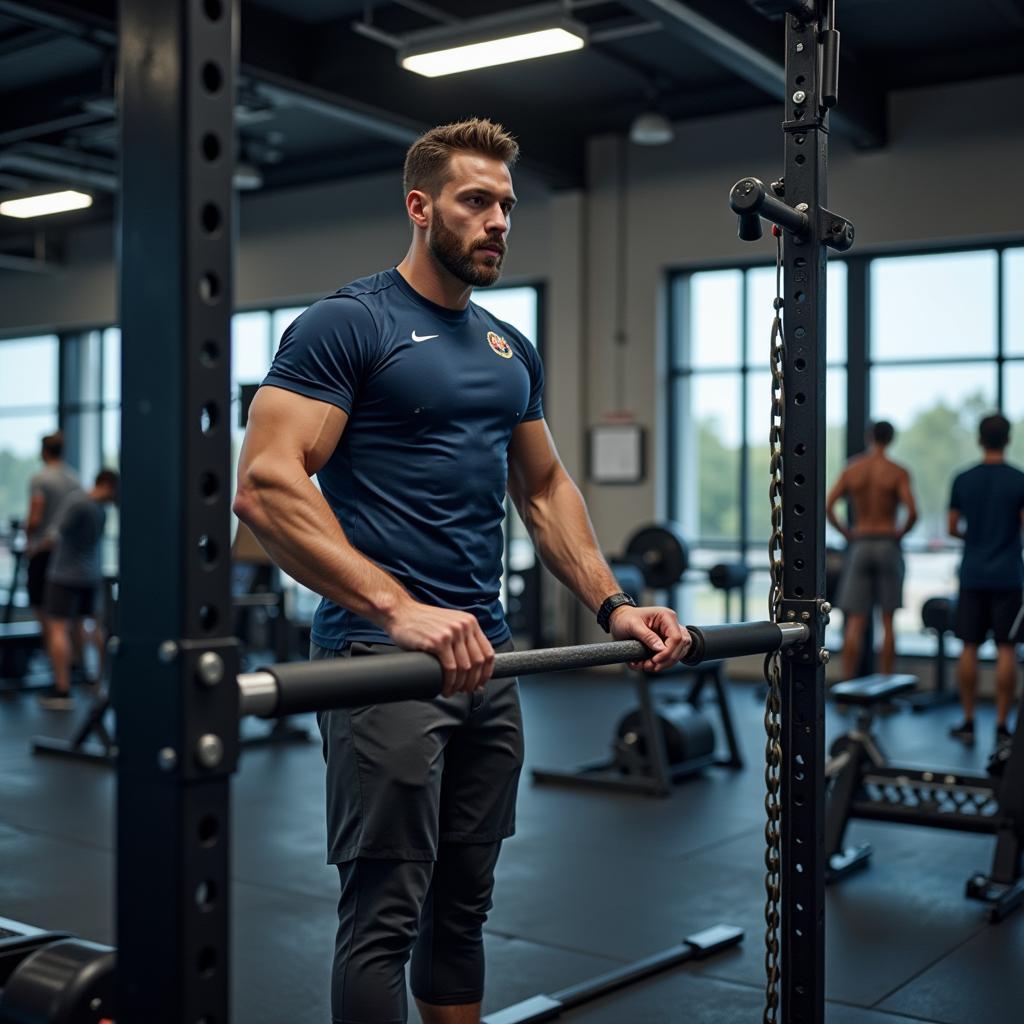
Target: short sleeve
{"points": [[535, 410], [327, 352], [69, 518], [956, 495]]}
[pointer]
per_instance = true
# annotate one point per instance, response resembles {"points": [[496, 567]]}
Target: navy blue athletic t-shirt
{"points": [[418, 478], [991, 497]]}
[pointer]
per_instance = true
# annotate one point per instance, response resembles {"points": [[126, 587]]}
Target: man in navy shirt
{"points": [[417, 410], [985, 511]]}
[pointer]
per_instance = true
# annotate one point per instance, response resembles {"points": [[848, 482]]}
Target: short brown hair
{"points": [[994, 433], [428, 158], [53, 444]]}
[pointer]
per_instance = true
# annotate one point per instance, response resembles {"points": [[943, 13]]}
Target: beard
{"points": [[459, 259]]}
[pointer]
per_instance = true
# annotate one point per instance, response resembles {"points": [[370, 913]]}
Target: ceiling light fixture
{"points": [[451, 51], [43, 205], [651, 128]]}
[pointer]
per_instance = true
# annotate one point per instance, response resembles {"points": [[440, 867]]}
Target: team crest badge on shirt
{"points": [[499, 345]]}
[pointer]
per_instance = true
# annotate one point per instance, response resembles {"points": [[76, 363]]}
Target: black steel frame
{"points": [[803, 526], [174, 673], [807, 228]]}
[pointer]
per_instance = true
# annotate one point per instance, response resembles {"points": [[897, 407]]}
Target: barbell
{"points": [[296, 687]]}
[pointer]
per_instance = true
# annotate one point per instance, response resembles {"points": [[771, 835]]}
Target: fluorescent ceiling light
{"points": [[41, 206], [489, 53]]}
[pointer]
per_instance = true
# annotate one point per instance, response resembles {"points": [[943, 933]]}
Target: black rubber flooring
{"points": [[590, 881]]}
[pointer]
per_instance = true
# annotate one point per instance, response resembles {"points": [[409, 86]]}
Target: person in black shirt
{"points": [[985, 511]]}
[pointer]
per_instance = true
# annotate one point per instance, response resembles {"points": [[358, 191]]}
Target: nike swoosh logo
{"points": [[423, 337]]}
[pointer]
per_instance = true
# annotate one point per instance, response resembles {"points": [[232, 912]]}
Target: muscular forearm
{"points": [[564, 538], [295, 525]]}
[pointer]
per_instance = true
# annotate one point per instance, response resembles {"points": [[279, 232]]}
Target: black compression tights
{"points": [[380, 922]]}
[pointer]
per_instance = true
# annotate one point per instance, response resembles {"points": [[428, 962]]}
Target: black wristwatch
{"points": [[604, 613]]}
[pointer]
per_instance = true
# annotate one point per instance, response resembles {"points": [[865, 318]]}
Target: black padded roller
{"points": [[710, 643], [354, 682]]}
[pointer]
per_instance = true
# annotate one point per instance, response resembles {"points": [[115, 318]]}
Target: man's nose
{"points": [[496, 220]]}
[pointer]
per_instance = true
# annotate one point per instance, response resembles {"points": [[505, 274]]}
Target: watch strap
{"points": [[610, 603]]}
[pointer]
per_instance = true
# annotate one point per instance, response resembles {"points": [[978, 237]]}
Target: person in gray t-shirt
{"points": [[73, 575], [48, 490]]}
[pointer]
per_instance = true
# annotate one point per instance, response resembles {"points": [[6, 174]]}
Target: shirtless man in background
{"points": [[874, 488]]}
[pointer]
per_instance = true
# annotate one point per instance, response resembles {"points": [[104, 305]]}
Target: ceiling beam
{"points": [[334, 167], [271, 55], [67, 18], [18, 43], [28, 264], [751, 47], [284, 92], [53, 107]]}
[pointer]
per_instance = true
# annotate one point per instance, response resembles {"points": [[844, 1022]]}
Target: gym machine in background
{"points": [[863, 783], [667, 736], [19, 638]]}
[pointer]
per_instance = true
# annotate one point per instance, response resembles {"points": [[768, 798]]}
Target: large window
{"points": [[941, 355], [938, 343], [519, 307], [73, 382], [29, 389], [719, 418]]}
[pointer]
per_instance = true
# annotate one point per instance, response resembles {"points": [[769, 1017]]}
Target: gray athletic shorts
{"points": [[872, 576], [402, 777]]}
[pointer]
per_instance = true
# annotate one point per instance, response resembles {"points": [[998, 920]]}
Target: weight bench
{"points": [[863, 784], [853, 753], [871, 693]]}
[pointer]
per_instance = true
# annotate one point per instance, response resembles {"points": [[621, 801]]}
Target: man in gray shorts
{"points": [[875, 488], [418, 409], [48, 490], [72, 579]]}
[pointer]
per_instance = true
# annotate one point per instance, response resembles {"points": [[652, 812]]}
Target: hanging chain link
{"points": [[773, 665]]}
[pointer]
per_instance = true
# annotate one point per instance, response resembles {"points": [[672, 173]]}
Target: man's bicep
{"points": [[288, 426], [36, 506], [532, 460]]}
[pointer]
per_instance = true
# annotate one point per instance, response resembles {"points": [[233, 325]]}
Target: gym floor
{"points": [[590, 881]]}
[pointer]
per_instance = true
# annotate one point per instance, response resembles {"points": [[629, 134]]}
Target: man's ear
{"points": [[418, 205]]}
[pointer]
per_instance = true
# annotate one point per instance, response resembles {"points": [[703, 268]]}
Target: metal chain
{"points": [[773, 665]]}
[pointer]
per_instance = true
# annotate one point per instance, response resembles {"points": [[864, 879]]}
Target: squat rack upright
{"points": [[174, 672]]}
